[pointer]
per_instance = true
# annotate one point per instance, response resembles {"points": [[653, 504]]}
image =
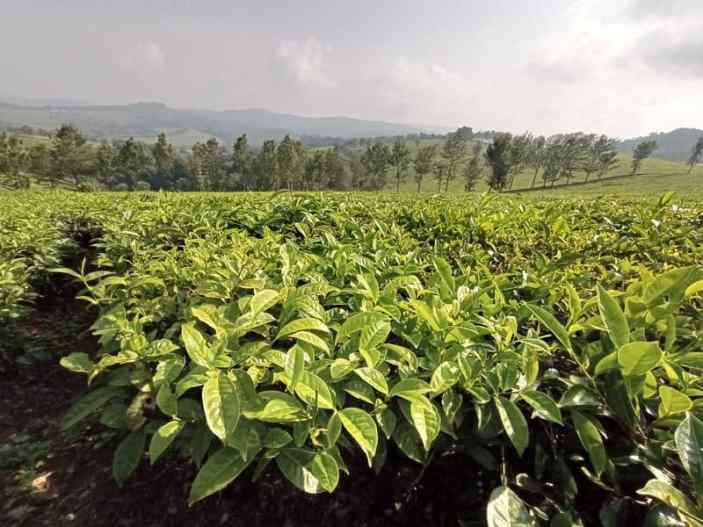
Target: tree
{"points": [[535, 157], [132, 163], [240, 168], [105, 164], [164, 161], [498, 158], [300, 156], [439, 169], [454, 151], [209, 164], [519, 150], [599, 156], [400, 160], [466, 132], [285, 161], [607, 161], [70, 156], [12, 161], [376, 159], [358, 171], [38, 161], [474, 169], [264, 166], [574, 148], [334, 169], [424, 163], [696, 154], [642, 151], [315, 170]]}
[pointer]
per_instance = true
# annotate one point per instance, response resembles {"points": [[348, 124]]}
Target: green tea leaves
{"points": [[591, 440], [220, 469], [195, 345], [163, 438], [303, 324], [362, 428], [689, 445], [374, 378], [543, 405], [553, 325], [221, 406], [637, 358], [128, 455], [506, 509], [613, 318], [514, 423], [426, 420], [673, 401]]}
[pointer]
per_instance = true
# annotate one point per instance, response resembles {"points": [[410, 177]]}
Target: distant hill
{"points": [[146, 120], [675, 145]]}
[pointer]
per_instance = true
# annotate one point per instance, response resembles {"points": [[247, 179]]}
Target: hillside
{"points": [[674, 145], [146, 120]]}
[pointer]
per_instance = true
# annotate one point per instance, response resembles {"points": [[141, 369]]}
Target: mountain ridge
{"points": [[149, 118], [675, 145]]}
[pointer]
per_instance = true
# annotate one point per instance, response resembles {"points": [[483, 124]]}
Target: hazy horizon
{"points": [[625, 68]]}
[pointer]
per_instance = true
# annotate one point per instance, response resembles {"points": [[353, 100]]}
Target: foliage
{"points": [[498, 156], [642, 151], [424, 163], [696, 154], [473, 169], [557, 344]]}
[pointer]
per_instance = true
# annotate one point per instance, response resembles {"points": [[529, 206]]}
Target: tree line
{"points": [[67, 157]]}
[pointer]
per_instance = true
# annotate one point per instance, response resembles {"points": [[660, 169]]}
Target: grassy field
{"points": [[656, 176]]}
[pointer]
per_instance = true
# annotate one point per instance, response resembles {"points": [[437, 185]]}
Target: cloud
{"points": [[145, 56], [304, 62], [411, 88], [663, 9], [680, 55], [558, 70]]}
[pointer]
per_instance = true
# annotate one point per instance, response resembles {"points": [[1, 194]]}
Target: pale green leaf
{"points": [[613, 318], [374, 378], [302, 324], [163, 438], [637, 358], [362, 428], [221, 406]]}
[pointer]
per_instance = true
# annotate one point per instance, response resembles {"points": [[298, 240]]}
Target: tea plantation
{"points": [[545, 354]]}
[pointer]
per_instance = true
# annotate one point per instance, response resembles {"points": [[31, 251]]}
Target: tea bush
{"points": [[557, 344]]}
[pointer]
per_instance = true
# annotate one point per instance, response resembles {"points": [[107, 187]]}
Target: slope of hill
{"points": [[147, 119], [676, 144]]}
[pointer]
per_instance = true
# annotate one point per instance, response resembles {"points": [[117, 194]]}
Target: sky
{"points": [[621, 67]]}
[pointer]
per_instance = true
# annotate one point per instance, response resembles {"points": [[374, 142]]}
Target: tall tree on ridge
{"points": [[12, 161], [240, 163], [535, 157], [696, 154], [424, 163], [474, 168], [642, 151], [400, 160], [454, 151], [498, 158], [69, 157], [376, 159]]}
